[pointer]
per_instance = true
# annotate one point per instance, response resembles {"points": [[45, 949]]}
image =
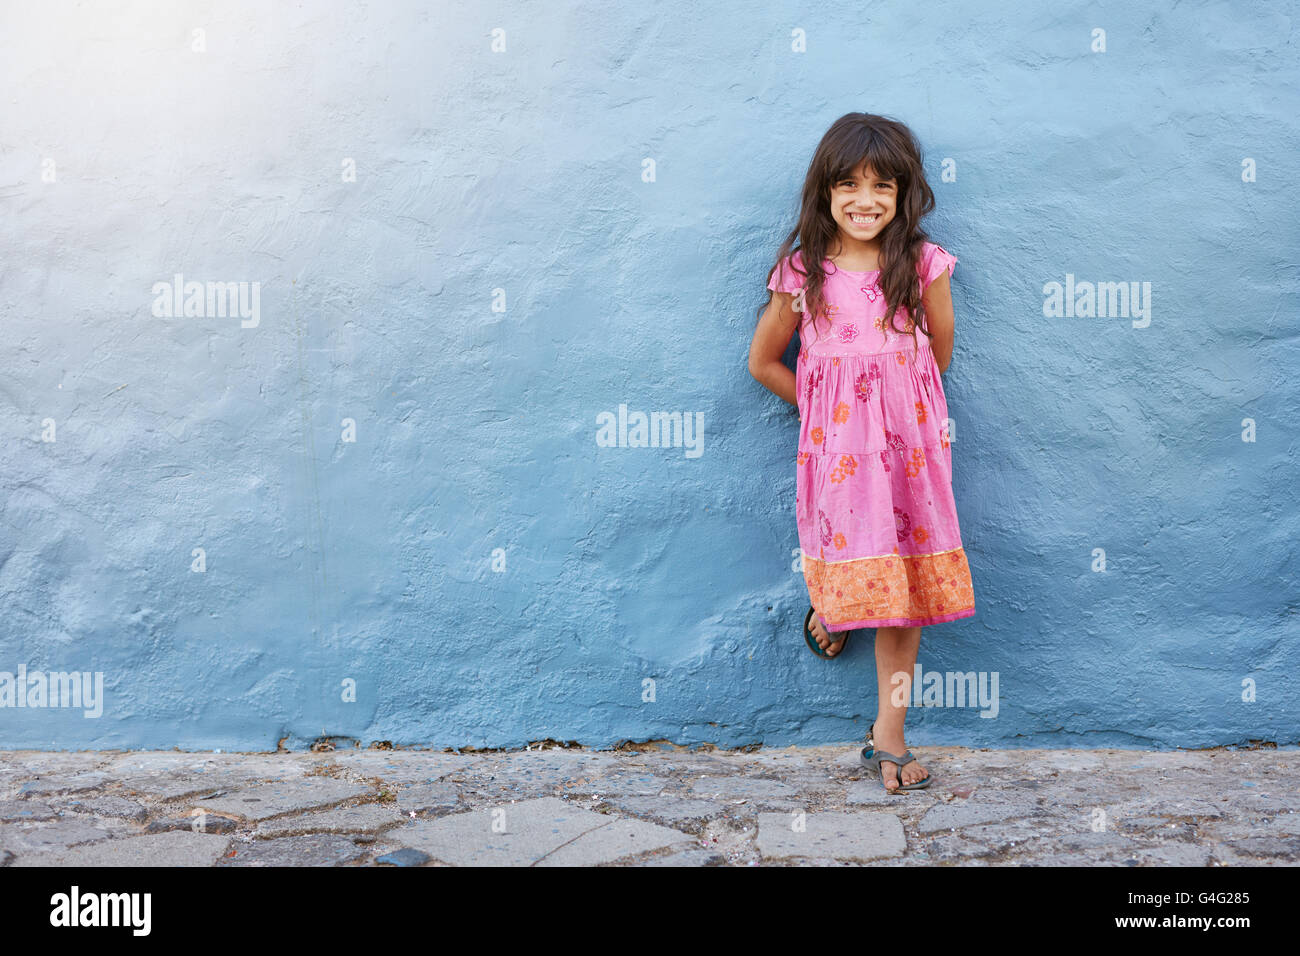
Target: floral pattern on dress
{"points": [[917, 463], [814, 379], [863, 386], [895, 443], [903, 523], [847, 466], [885, 325], [825, 524]]}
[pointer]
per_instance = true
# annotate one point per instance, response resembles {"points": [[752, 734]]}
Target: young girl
{"points": [[874, 506]]}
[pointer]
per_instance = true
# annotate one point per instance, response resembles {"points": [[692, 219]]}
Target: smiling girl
{"points": [[870, 297]]}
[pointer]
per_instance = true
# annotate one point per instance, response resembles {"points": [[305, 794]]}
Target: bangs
{"points": [[848, 169], [874, 152]]}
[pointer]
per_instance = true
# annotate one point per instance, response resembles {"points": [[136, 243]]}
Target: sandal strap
{"points": [[901, 762]]}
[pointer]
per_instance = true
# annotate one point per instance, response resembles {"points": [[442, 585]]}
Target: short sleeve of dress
{"points": [[935, 261], [785, 279]]}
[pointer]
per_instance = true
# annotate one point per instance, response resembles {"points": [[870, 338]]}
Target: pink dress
{"points": [[874, 505]]}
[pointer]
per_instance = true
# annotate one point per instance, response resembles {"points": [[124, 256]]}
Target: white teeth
{"points": [[867, 219]]}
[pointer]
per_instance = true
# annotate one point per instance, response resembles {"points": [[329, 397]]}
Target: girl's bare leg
{"points": [[896, 649]]}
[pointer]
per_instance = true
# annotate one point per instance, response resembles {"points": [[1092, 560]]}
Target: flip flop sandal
{"points": [[879, 755], [812, 641]]}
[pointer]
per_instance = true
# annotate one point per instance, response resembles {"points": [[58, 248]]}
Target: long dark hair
{"points": [[892, 151]]}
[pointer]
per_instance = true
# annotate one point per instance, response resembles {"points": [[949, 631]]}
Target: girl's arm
{"points": [[771, 339], [937, 299]]}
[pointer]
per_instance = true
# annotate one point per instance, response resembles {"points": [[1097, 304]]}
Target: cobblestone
{"points": [[815, 806]]}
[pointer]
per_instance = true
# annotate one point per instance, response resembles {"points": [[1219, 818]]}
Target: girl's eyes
{"points": [[849, 182]]}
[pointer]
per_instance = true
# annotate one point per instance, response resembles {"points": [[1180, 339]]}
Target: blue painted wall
{"points": [[504, 269]]}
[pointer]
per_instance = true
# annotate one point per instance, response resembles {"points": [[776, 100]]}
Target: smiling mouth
{"points": [[864, 220]]}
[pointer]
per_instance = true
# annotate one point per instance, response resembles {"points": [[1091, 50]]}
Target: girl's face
{"points": [[862, 205]]}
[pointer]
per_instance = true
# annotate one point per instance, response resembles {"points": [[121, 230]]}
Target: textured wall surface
{"points": [[384, 474]]}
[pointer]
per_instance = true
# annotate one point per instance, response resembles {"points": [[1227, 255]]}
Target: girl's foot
{"points": [[912, 771], [823, 638]]}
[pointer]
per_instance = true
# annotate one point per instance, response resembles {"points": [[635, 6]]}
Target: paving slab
{"points": [[757, 790], [234, 767], [1173, 854], [1166, 760], [31, 763], [624, 783], [850, 760], [1165, 805], [694, 857], [775, 760], [517, 834], [20, 837], [964, 813], [1077, 761], [955, 848], [51, 784], [1092, 840], [1288, 823], [199, 822], [851, 834], [1138, 824], [869, 792], [618, 838], [1269, 846], [364, 818], [178, 776], [801, 770], [670, 809], [1261, 804], [25, 810], [179, 848], [428, 797], [317, 849], [677, 763], [1226, 856], [403, 766], [1016, 835], [272, 799], [157, 785], [533, 774], [107, 806], [194, 784]]}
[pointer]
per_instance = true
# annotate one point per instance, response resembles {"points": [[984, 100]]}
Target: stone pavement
{"points": [[647, 807]]}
